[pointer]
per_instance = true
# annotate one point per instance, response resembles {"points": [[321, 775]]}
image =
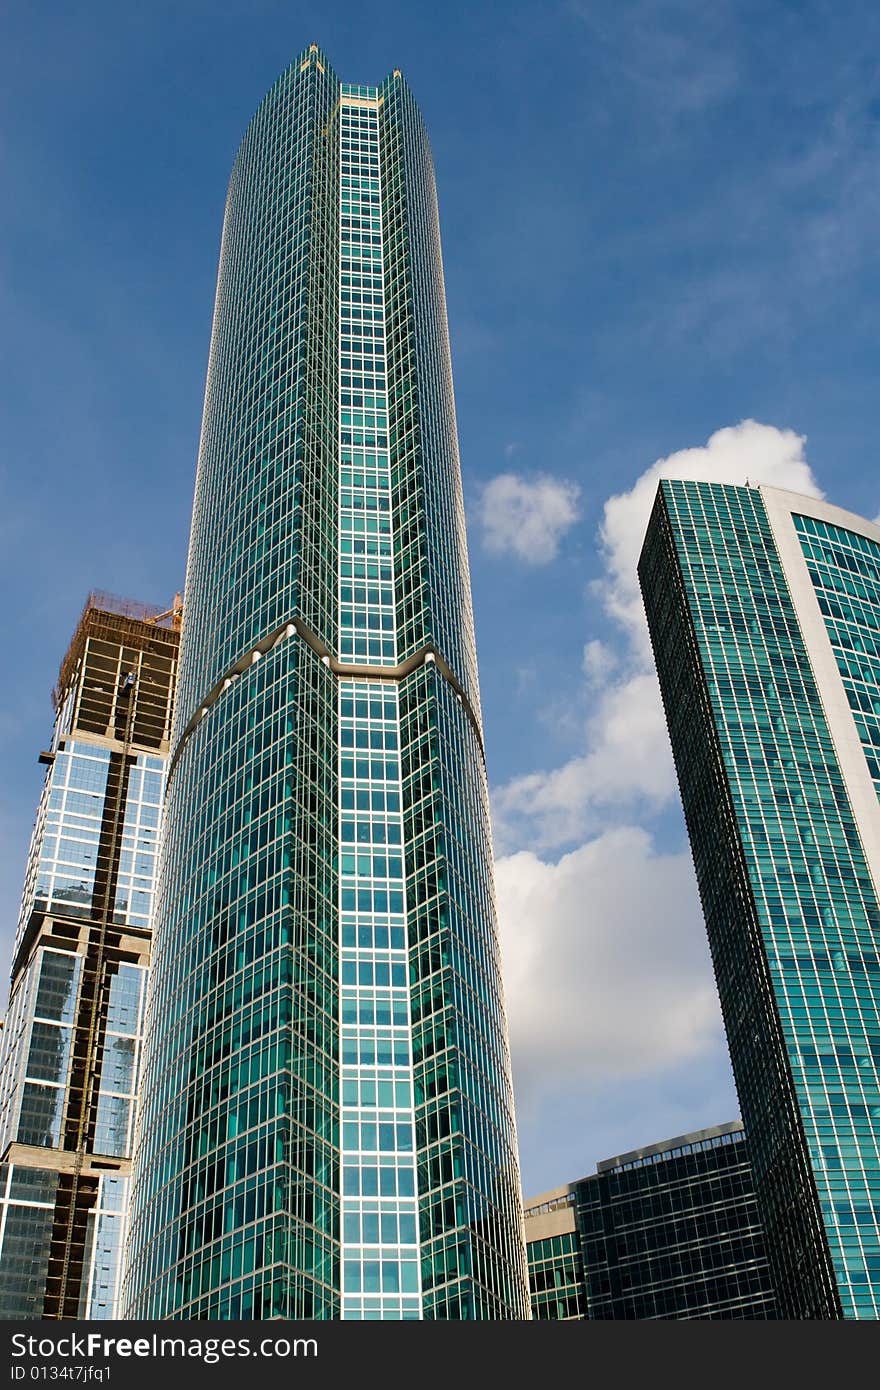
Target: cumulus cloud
{"points": [[745, 452], [598, 661], [625, 762], [606, 966], [527, 517]]}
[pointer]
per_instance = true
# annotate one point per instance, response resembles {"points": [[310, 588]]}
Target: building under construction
{"points": [[71, 1041]]}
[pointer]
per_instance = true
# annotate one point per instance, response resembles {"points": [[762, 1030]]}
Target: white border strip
{"points": [[844, 734]]}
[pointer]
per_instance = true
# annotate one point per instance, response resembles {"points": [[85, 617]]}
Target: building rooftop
{"points": [[671, 1148], [699, 1139], [134, 621]]}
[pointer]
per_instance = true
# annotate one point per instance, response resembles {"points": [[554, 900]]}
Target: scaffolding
{"points": [[119, 643]]}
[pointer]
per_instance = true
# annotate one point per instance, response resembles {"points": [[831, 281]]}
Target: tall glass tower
{"points": [[71, 1043], [764, 610], [327, 1124]]}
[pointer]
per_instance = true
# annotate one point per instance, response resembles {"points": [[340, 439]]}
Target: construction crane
{"points": [[175, 613]]}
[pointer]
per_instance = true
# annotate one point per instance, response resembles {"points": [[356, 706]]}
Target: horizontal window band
{"points": [[427, 655]]}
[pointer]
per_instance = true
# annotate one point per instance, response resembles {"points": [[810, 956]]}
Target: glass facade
{"points": [[556, 1277], [762, 608], [676, 1234], [845, 570], [667, 1232], [27, 1211], [327, 1124], [105, 1232], [61, 871], [70, 1050]]}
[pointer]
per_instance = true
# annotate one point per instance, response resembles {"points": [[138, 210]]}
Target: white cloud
{"points": [[527, 517], [627, 763], [626, 760], [606, 966], [598, 661], [748, 451]]}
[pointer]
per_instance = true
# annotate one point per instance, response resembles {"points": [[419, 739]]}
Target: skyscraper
{"points": [[70, 1052], [668, 1231], [327, 1126], [764, 611]]}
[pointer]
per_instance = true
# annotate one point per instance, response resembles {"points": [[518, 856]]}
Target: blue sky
{"points": [[659, 220]]}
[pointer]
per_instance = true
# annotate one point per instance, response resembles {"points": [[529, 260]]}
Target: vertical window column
{"points": [[381, 1275], [43, 1091], [106, 1229]]}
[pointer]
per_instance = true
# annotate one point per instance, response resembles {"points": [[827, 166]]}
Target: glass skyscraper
{"points": [[327, 1126], [71, 1042], [669, 1231], [764, 611]]}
